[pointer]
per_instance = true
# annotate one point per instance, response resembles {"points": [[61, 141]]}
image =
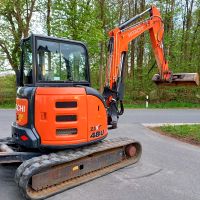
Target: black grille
{"points": [[70, 104], [67, 131], [66, 118]]}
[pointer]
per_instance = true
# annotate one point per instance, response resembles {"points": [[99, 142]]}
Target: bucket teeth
{"points": [[182, 79]]}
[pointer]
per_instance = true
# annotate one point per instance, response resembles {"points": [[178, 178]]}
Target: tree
{"points": [[15, 18], [79, 20]]}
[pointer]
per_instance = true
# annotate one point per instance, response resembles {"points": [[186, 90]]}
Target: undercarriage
{"points": [[43, 175]]}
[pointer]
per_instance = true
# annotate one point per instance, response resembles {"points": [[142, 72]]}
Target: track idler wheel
{"points": [[130, 150]]}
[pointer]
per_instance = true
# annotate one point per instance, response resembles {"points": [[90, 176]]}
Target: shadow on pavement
{"points": [[8, 187]]}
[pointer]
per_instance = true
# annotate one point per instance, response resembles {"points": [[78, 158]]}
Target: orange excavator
{"points": [[61, 121]]}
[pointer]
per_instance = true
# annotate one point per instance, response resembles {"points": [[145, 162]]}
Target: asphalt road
{"points": [[168, 170]]}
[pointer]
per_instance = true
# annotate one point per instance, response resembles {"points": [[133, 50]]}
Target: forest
{"points": [[90, 21]]}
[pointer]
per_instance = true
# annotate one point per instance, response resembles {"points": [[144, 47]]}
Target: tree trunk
{"points": [[48, 26], [101, 67], [188, 24], [140, 48], [102, 18], [133, 3], [48, 22]]}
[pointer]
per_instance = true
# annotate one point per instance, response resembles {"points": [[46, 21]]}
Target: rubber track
{"points": [[35, 165]]}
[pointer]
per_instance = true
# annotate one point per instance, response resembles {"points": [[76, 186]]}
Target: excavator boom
{"points": [[120, 37]]}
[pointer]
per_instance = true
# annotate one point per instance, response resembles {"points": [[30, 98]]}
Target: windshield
{"points": [[60, 61]]}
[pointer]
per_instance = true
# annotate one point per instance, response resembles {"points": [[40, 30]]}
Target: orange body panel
{"points": [[97, 118], [21, 111], [83, 115]]}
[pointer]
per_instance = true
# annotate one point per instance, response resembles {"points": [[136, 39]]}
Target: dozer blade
{"points": [[179, 79], [47, 175]]}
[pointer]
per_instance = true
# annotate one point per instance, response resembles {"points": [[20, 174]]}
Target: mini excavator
{"points": [[61, 121]]}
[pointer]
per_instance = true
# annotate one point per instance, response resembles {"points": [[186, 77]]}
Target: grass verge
{"points": [[171, 104], [7, 106], [186, 133]]}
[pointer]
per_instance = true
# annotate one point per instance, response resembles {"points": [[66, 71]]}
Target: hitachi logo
{"points": [[136, 31], [20, 108]]}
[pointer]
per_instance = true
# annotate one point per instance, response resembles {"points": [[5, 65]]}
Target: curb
{"points": [[166, 124]]}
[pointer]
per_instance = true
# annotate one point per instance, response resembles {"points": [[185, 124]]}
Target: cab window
{"points": [[60, 62]]}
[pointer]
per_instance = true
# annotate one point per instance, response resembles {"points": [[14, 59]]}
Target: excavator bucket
{"points": [[179, 79]]}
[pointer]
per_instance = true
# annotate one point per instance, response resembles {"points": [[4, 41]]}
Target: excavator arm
{"points": [[120, 37]]}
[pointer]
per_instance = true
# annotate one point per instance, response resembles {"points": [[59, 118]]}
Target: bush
{"points": [[7, 90]]}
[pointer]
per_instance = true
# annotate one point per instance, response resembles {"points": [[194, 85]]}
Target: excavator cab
{"points": [[47, 60], [55, 106]]}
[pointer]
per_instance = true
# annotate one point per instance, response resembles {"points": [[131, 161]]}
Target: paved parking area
{"points": [[168, 170]]}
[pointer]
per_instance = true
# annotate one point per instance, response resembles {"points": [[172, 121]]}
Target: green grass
{"points": [[7, 92], [158, 105], [170, 104], [7, 106], [190, 133]]}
